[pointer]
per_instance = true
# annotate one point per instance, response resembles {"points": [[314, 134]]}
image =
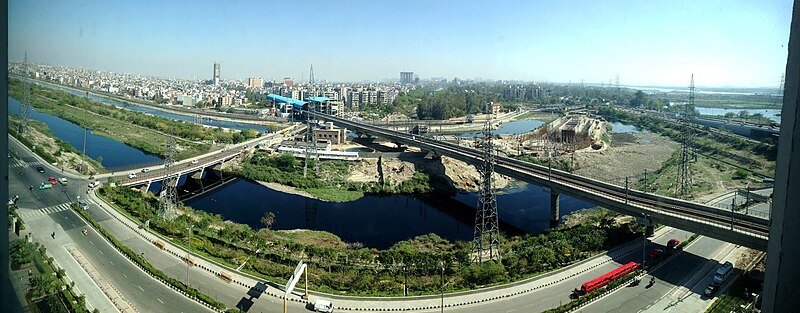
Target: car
{"points": [[145, 170], [132, 175], [40, 169], [194, 161], [63, 181], [52, 180], [323, 306], [673, 243], [711, 289], [83, 204], [44, 186], [655, 253], [94, 184]]}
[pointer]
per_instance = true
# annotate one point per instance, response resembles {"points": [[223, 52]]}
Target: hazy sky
{"points": [[724, 43]]}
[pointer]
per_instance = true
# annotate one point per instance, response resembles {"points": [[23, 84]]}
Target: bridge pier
{"points": [[148, 186], [554, 209]]}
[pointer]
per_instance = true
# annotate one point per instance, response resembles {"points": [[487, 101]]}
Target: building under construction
{"points": [[563, 135]]}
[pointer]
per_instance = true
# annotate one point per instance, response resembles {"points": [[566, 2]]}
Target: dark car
{"points": [[40, 169], [673, 243]]}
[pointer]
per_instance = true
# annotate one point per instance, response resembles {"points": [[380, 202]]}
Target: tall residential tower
{"points": [[215, 79]]}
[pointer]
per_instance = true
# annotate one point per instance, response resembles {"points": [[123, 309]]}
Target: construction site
{"points": [[563, 135]]}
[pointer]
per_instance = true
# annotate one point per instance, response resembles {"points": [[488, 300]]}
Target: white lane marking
{"points": [[112, 263], [101, 252], [140, 287], [159, 300], [126, 276], [91, 242]]}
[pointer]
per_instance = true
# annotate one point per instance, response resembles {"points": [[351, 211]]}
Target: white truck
{"points": [[722, 274]]}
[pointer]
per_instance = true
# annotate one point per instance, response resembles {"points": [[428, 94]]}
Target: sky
{"points": [[656, 43]]}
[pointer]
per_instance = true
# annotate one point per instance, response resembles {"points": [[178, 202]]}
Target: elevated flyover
{"points": [[732, 227]]}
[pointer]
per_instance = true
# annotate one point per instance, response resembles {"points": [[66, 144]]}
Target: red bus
{"points": [[606, 278]]}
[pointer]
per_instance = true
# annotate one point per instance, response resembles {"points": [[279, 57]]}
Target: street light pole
{"points": [[644, 239], [442, 289], [188, 253]]}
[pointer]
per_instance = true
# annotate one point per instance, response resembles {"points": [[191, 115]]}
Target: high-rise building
{"points": [[255, 82], [407, 77], [215, 78]]}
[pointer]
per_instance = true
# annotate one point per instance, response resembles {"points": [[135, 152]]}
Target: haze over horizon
{"points": [[724, 43]]}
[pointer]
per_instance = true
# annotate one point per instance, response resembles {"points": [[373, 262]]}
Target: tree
{"points": [[639, 99], [268, 219]]}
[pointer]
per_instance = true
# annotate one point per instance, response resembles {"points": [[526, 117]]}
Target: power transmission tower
{"points": [[617, 82], [684, 184], [311, 79], [169, 194], [486, 244], [25, 104]]}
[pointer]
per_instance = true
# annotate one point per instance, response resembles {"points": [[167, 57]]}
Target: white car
{"points": [[323, 306], [145, 170], [132, 175], [194, 161]]}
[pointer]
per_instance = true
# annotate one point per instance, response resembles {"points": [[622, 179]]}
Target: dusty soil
{"points": [[628, 155], [394, 170], [466, 177], [68, 161]]}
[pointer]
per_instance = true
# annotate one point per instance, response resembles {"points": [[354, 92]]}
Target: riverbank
{"points": [[225, 117], [142, 131], [339, 267], [52, 149]]}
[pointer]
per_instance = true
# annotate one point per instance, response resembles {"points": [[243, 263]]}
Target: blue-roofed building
{"points": [[323, 104]]}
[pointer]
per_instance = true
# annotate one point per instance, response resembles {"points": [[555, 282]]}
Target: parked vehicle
{"points": [[323, 306], [673, 243], [44, 186], [63, 181], [605, 279], [711, 289], [52, 180], [723, 272]]}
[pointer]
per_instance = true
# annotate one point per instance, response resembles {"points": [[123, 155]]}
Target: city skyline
{"points": [[724, 44]]}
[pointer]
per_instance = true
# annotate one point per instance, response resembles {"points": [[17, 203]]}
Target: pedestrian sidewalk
{"points": [[248, 282]]}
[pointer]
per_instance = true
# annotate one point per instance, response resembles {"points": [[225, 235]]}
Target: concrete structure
{"points": [[783, 253], [215, 77], [407, 77], [255, 82], [732, 227], [330, 133], [493, 108]]}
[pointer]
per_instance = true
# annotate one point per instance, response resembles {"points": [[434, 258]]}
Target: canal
{"points": [[115, 155], [133, 107], [377, 221]]}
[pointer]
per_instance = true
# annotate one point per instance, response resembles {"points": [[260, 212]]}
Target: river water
{"points": [[376, 221], [207, 122], [772, 114], [116, 155]]}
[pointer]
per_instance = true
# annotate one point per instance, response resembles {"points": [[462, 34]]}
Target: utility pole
{"points": [[644, 239], [441, 263], [83, 156], [188, 253], [169, 196], [487, 228], [684, 183], [25, 104]]}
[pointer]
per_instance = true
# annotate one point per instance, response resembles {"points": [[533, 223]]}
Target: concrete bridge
{"points": [[183, 168], [732, 227]]}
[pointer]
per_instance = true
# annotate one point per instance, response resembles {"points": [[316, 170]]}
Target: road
{"points": [[685, 271], [557, 294], [44, 213]]}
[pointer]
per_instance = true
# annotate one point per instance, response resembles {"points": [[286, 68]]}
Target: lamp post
{"points": [[442, 289], [644, 239], [188, 252]]}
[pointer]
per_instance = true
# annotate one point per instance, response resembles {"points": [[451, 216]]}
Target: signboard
{"points": [[294, 278]]}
